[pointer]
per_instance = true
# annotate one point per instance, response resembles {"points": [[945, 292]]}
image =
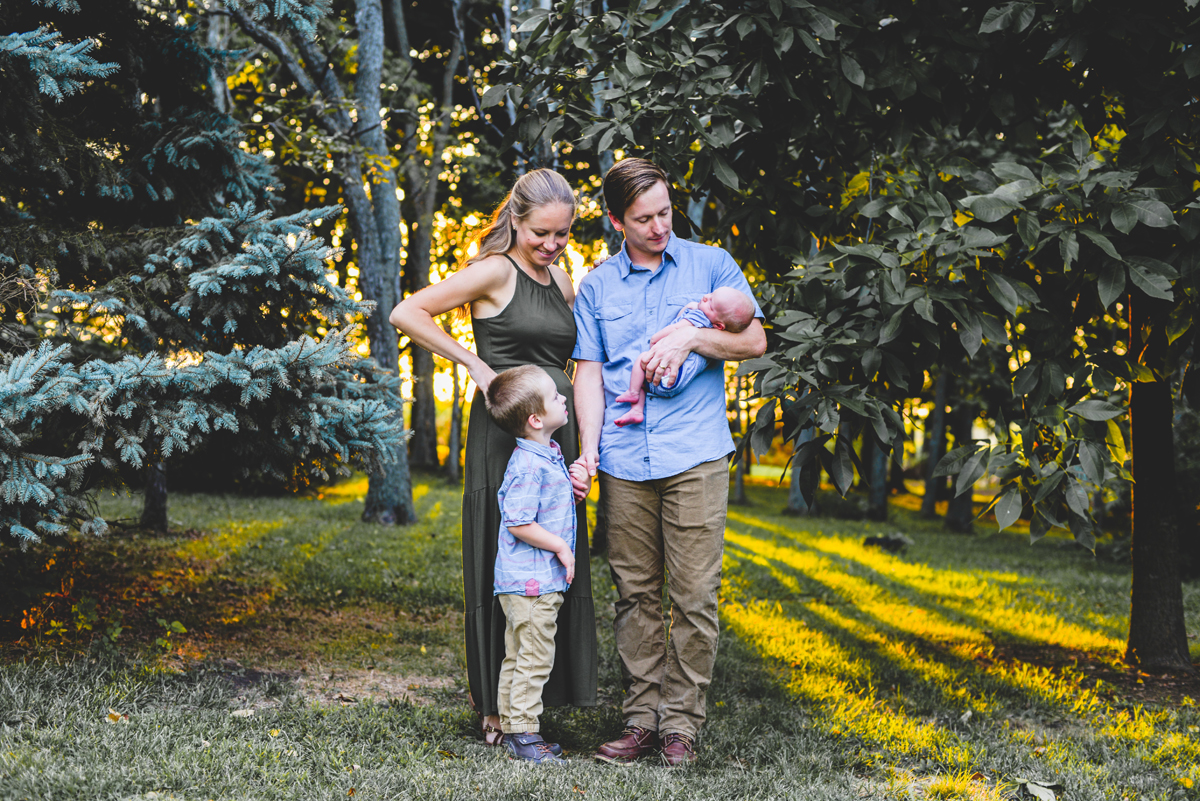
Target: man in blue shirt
{"points": [[665, 483]]}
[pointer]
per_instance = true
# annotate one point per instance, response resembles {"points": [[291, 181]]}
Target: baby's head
{"points": [[728, 309], [525, 399]]}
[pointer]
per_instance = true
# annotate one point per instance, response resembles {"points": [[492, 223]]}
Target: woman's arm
{"points": [[482, 282]]}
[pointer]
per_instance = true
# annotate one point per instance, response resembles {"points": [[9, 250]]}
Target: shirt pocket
{"points": [[675, 304], [616, 326]]}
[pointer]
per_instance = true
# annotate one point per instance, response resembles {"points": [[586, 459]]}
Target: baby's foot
{"points": [[630, 418], [628, 397]]}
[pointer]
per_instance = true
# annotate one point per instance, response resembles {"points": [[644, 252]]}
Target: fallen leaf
{"points": [[1041, 749], [275, 732], [116, 717], [242, 713], [351, 791]]}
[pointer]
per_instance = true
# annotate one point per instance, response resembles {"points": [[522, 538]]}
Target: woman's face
{"points": [[542, 234]]}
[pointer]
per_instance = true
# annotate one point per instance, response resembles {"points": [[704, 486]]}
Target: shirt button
{"points": [[645, 458]]}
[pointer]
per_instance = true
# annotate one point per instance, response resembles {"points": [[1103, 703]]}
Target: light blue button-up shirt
{"points": [[618, 307]]}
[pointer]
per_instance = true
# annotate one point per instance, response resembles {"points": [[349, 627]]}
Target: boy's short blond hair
{"points": [[513, 396]]}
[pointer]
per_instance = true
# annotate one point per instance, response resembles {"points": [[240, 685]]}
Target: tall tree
{"points": [[160, 336], [336, 64], [1040, 164]]}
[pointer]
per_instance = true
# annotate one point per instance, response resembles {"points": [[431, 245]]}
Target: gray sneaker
{"points": [[530, 747]]}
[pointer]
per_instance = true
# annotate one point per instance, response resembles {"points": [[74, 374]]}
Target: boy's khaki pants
{"points": [[530, 625], [676, 523]]}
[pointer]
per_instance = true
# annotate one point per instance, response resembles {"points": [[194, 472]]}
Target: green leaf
{"points": [[1123, 217], [997, 18], [1003, 292], [874, 208], [724, 172], [987, 208], [1096, 410], [1110, 284], [1091, 456], [1116, 444], [891, 328], [493, 95], [842, 471], [665, 18], [810, 42], [1028, 228], [1101, 241], [754, 365], [1153, 213], [1012, 171], [764, 428], [853, 72], [1156, 286], [1008, 508], [1068, 246], [871, 359], [1077, 498], [634, 64], [536, 17], [970, 333], [972, 470], [948, 464], [1178, 323]]}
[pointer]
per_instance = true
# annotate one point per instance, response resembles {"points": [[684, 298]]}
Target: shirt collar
{"points": [[553, 453], [624, 264]]}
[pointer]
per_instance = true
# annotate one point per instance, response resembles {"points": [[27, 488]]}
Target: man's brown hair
{"points": [[627, 180], [513, 395]]}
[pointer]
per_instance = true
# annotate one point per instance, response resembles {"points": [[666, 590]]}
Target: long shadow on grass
{"points": [[899, 655]]}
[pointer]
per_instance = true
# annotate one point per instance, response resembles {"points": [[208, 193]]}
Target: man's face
{"points": [[647, 223]]}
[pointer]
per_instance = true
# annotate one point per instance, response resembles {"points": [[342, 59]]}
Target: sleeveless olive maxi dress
{"points": [[536, 327]]}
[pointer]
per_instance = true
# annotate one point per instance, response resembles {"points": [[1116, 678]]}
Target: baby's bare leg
{"points": [[636, 394], [637, 380]]}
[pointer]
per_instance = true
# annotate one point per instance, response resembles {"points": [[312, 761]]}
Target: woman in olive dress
{"points": [[520, 304]]}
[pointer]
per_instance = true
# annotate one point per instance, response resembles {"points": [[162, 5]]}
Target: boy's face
{"points": [[555, 405]]}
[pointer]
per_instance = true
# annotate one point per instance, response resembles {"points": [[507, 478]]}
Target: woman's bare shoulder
{"points": [[563, 279]]}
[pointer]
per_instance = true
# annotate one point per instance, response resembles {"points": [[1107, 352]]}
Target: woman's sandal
{"points": [[492, 735]]}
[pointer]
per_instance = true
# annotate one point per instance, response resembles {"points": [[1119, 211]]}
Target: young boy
{"points": [[535, 555], [724, 308]]}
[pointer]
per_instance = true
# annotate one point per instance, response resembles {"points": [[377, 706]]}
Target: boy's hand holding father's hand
{"points": [[581, 482]]}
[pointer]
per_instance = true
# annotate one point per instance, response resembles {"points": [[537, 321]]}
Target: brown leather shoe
{"points": [[678, 749], [634, 743]]}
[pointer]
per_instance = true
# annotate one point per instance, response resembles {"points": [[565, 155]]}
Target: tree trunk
{"points": [[374, 217], [154, 506], [1157, 636], [802, 491], [960, 514], [936, 434], [877, 505], [376, 225]]}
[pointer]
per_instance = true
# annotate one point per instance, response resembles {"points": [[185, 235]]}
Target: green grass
{"points": [[322, 656]]}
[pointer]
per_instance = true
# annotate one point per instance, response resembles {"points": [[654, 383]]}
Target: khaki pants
{"points": [[530, 625], [676, 523]]}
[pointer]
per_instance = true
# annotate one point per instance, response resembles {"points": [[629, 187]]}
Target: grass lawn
{"points": [[278, 648]]}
